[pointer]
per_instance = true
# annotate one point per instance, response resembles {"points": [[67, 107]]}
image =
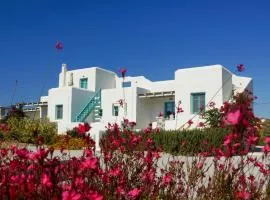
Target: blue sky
{"points": [[151, 38]]}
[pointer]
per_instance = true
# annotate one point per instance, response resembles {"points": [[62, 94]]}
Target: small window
{"points": [[169, 109], [197, 102], [59, 112], [115, 110], [84, 83], [126, 84]]}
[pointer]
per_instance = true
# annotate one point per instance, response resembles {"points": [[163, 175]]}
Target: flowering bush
{"points": [[124, 171], [79, 131], [70, 143]]}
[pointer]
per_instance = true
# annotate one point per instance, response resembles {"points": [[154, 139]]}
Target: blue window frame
{"points": [[59, 112], [169, 108], [84, 83], [126, 84], [197, 102]]}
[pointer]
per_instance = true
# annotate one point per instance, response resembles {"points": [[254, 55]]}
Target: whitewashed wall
{"points": [[227, 85], [60, 96], [242, 83], [194, 80], [112, 96]]}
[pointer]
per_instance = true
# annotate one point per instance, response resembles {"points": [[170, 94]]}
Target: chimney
{"points": [[64, 73]]}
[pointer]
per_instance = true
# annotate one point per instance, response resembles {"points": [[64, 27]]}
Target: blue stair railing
{"points": [[92, 105]]}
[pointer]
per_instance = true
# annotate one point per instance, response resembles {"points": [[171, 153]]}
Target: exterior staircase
{"points": [[94, 105]]}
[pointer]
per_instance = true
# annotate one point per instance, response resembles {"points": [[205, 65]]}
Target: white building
{"points": [[92, 95]]}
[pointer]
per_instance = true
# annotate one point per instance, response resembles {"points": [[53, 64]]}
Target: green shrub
{"points": [[212, 117], [189, 142], [27, 129], [12, 135], [1, 136], [73, 133], [265, 131], [179, 142]]}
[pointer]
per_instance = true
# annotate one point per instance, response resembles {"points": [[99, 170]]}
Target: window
{"points": [[84, 83], [59, 112], [197, 102], [169, 109], [115, 110], [126, 84]]}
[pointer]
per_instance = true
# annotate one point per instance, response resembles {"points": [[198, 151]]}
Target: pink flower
{"points": [[115, 172], [46, 180], [160, 114], [71, 195], [166, 180], [240, 68], [252, 140], [243, 195], [121, 102], [267, 140], [59, 45], [89, 163], [266, 149], [134, 193], [227, 141], [212, 104], [94, 195], [123, 72], [201, 124], [179, 110], [199, 165], [149, 141], [120, 190], [190, 122], [234, 117]]}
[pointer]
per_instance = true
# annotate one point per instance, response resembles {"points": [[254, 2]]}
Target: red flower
{"points": [[83, 128], [190, 122], [123, 72], [240, 67], [59, 45]]}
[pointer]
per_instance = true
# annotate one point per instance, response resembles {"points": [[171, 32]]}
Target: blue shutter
{"points": [[84, 83]]}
